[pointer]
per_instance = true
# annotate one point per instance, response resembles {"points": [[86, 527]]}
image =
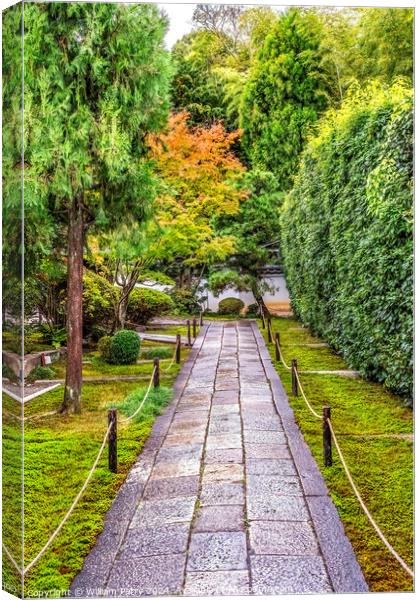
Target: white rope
{"points": [[305, 398], [281, 357], [364, 507], [138, 409], [172, 361], [73, 506], [10, 557]]}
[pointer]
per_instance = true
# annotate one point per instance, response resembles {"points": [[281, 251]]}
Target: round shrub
{"points": [[40, 373], [124, 347], [230, 306], [104, 347], [144, 304]]}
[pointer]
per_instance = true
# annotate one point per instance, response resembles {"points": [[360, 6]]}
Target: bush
{"points": [[124, 347], [104, 347], [347, 235], [8, 373], [54, 336], [97, 332], [185, 301], [253, 310], [99, 299], [157, 352], [40, 373], [144, 304], [230, 306]]}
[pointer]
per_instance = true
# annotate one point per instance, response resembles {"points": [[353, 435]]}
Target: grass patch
{"points": [[156, 401], [170, 329], [152, 352], [382, 467], [59, 452], [95, 366]]}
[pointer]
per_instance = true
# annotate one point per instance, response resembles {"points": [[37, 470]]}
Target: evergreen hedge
{"points": [[347, 234]]}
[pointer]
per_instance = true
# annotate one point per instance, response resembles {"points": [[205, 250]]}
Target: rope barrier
{"points": [[347, 471], [72, 507], [10, 557], [172, 361], [142, 402], [364, 507], [318, 416], [281, 357]]}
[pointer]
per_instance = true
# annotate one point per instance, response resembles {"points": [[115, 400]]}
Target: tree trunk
{"points": [[73, 387], [122, 310]]}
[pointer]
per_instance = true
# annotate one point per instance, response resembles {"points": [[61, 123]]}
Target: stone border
{"points": [[8, 392], [98, 563], [341, 563]]}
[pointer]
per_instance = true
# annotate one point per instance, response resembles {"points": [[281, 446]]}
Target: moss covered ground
{"points": [[95, 366], [59, 452], [374, 431]]}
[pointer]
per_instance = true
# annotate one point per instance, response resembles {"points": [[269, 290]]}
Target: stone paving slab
{"points": [[226, 498], [289, 575], [217, 583], [217, 551], [217, 518]]}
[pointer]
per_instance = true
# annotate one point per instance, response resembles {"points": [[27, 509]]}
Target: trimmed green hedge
{"points": [[347, 238], [144, 304], [230, 306]]}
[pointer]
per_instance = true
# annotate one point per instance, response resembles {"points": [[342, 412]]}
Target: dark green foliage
{"points": [[40, 373], [96, 333], [55, 336], [8, 373], [196, 87], [104, 347], [185, 301], [230, 306], [144, 304], [285, 93], [124, 347], [253, 310], [347, 236]]}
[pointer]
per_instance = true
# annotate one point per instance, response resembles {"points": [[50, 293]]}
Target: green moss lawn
{"points": [[59, 452], [375, 431], [95, 366]]}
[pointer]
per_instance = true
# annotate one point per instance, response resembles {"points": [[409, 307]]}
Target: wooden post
{"points": [[294, 379], [277, 346], [194, 328], [189, 332], [156, 374], [112, 440], [178, 349], [326, 435], [269, 331], [201, 319]]}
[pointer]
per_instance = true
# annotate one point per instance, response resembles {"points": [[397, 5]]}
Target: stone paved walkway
{"points": [[225, 497]]}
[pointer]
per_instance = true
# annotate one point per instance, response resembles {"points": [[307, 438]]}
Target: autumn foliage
{"points": [[202, 179]]}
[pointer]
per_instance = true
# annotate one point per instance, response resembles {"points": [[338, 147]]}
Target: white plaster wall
{"points": [[279, 294]]}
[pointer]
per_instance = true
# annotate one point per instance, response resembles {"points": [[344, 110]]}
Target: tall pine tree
{"points": [[284, 95], [96, 84]]}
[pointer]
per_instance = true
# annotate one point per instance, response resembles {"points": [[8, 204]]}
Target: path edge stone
{"points": [[98, 562], [340, 560]]}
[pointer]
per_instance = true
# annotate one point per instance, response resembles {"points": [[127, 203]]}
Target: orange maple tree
{"points": [[201, 180]]}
